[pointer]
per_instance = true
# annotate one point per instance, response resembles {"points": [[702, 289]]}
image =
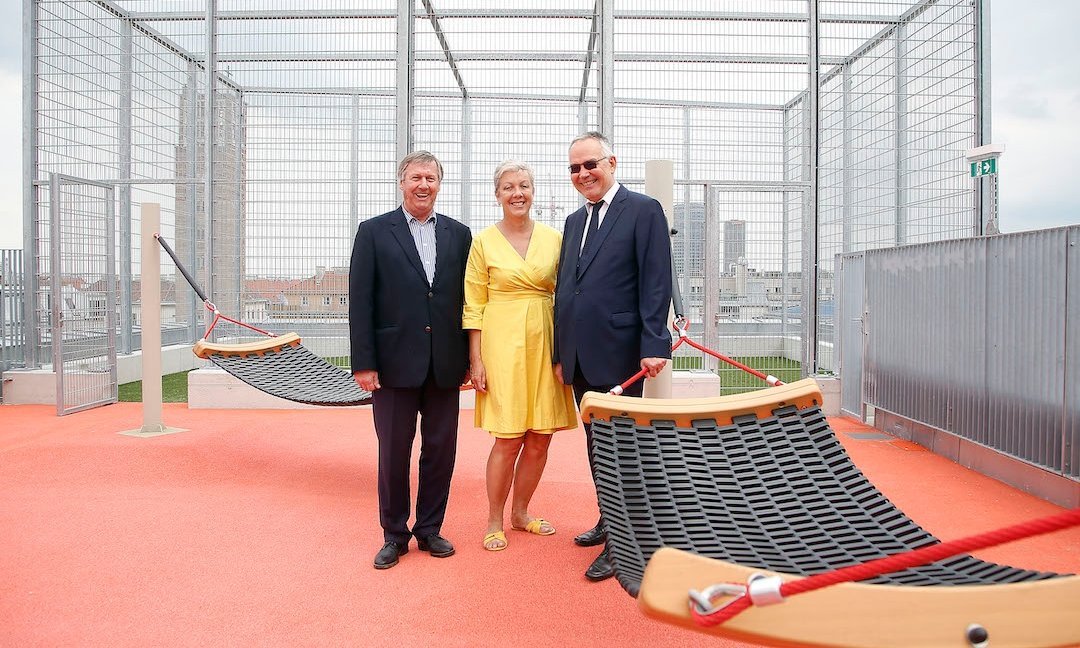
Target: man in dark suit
{"points": [[613, 292], [406, 294]]}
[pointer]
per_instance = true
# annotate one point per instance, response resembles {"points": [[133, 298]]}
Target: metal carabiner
{"points": [[702, 602]]}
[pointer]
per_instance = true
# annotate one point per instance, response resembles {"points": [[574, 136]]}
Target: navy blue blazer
{"points": [[612, 302], [398, 324]]}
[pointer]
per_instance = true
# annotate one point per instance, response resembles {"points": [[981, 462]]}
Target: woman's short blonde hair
{"points": [[512, 165]]}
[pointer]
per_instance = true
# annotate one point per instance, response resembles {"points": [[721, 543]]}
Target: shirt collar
{"points": [[409, 217], [610, 195]]}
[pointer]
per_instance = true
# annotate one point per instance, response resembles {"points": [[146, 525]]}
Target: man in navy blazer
{"points": [[613, 292], [406, 295]]}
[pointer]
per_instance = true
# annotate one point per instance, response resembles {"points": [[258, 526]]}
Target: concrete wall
{"points": [[38, 386]]}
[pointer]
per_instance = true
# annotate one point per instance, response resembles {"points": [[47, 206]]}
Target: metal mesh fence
{"points": [[81, 294], [291, 115]]}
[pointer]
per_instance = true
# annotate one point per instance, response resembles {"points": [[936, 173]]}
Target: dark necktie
{"points": [[594, 223]]}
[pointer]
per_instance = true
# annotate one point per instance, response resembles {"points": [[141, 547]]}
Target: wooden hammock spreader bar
{"points": [[1034, 613], [206, 350], [683, 411]]}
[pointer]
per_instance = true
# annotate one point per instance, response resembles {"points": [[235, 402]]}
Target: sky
{"points": [[1035, 96]]}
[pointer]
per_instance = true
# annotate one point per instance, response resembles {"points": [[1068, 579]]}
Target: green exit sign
{"points": [[983, 168]]}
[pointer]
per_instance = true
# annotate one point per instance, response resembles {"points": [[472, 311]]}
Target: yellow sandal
{"points": [[536, 526], [495, 535]]}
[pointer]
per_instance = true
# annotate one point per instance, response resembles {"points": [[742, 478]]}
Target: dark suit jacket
{"points": [[398, 325], [611, 304]]}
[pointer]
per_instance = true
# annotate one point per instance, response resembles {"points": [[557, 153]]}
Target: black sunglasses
{"points": [[588, 164]]}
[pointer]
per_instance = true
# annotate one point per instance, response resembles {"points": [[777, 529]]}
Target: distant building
{"points": [[688, 244], [322, 296], [734, 244], [230, 201]]}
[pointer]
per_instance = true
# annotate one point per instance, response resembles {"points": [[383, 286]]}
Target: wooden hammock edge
{"points": [[205, 349], [1035, 613], [761, 403]]}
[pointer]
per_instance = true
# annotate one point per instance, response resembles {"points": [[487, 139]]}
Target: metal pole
{"points": [[56, 297], [710, 336], [466, 160], [606, 109], [239, 194], [810, 226], [110, 289], [31, 201], [899, 133], [354, 168], [208, 146], [848, 189], [192, 196], [785, 220], [405, 79], [985, 221], [124, 132], [150, 261], [151, 318]]}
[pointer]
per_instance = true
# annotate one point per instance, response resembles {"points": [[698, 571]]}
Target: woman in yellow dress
{"points": [[509, 293]]}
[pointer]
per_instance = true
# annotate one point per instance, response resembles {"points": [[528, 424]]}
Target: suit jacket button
{"points": [[430, 295], [427, 329]]}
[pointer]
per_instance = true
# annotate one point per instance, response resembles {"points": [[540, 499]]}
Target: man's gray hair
{"points": [[605, 145], [422, 157], [507, 166]]}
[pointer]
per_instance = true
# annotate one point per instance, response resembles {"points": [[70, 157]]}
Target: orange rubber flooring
{"points": [[258, 528]]}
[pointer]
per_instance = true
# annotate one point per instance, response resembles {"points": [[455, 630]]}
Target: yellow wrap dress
{"points": [[510, 299]]}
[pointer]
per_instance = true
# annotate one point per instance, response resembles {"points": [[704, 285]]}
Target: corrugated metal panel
{"points": [[925, 307], [1025, 353], [970, 336], [1071, 446], [850, 320]]}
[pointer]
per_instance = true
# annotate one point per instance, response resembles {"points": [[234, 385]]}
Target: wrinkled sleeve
{"points": [[476, 286]]}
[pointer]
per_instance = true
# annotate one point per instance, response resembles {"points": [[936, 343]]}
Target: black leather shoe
{"points": [[601, 568], [437, 545], [388, 555], [594, 536]]}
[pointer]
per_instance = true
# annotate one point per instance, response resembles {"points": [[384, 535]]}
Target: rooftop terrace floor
{"points": [[258, 528]]}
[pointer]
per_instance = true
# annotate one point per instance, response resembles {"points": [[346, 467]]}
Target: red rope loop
{"points": [[218, 316], [682, 327], [895, 562]]}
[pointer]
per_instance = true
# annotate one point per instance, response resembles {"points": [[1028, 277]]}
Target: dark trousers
{"points": [[580, 387], [395, 411]]}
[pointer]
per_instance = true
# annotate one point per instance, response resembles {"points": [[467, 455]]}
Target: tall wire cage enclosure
{"points": [[268, 129]]}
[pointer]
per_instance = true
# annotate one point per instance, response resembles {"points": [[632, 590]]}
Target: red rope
{"points": [[218, 316], [901, 561], [683, 337]]}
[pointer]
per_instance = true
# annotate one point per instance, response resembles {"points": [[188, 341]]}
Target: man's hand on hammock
{"points": [[367, 379], [653, 366]]}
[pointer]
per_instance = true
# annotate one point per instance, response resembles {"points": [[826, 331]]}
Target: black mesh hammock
{"points": [[697, 492], [278, 365], [700, 491]]}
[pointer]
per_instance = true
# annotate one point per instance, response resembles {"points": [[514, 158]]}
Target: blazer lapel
{"points": [[443, 243], [400, 229], [610, 219], [573, 230]]}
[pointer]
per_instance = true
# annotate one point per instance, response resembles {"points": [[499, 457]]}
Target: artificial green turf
{"points": [[734, 380], [173, 389]]}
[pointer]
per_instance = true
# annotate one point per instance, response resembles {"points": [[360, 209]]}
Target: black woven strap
{"points": [[778, 494], [294, 373]]}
